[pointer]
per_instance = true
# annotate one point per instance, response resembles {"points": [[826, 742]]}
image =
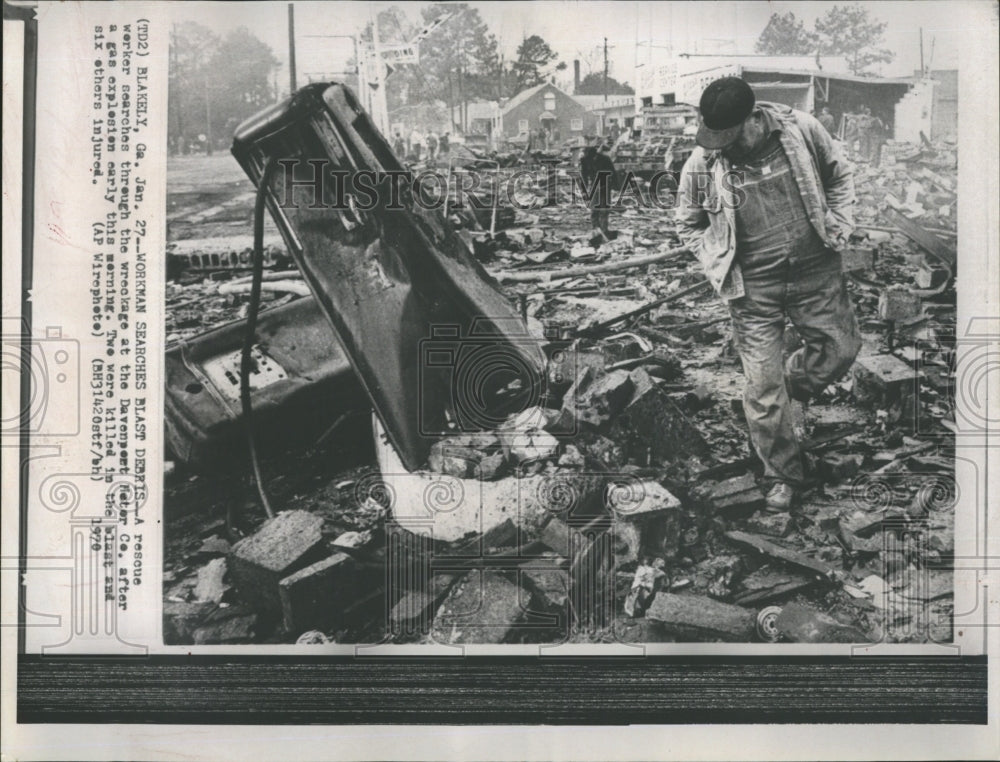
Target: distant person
{"points": [[416, 143], [599, 181], [399, 145], [827, 120], [432, 145], [444, 145], [556, 135]]}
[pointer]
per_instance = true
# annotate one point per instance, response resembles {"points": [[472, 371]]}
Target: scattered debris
{"points": [[641, 399], [701, 618], [801, 624]]}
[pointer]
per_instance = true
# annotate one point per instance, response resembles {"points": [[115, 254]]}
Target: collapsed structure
{"points": [[573, 466]]}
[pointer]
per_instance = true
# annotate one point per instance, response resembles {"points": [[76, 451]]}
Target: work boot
{"points": [[780, 498]]}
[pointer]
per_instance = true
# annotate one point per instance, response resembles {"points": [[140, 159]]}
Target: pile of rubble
{"points": [[635, 501]]}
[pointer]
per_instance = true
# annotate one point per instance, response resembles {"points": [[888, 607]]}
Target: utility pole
{"points": [[380, 109], [923, 71], [208, 118], [605, 69], [291, 47]]}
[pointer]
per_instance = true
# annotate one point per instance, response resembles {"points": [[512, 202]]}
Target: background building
{"points": [[547, 106]]}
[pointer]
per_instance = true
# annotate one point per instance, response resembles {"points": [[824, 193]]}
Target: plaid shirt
{"points": [[707, 201]]}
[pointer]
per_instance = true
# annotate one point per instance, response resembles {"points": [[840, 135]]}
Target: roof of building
{"points": [[527, 93], [758, 69]]}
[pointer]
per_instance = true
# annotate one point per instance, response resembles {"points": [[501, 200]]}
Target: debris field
{"points": [[624, 504]]}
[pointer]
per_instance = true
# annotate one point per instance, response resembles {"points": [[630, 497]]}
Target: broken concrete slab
{"points": [[313, 598], [839, 467], [550, 586], [210, 587], [605, 451], [767, 584], [647, 521], [781, 553], [651, 429], [595, 399], [214, 546], [484, 607], [413, 613], [885, 382], [801, 624], [181, 619], [240, 628], [290, 541], [700, 617], [773, 524], [736, 496]]}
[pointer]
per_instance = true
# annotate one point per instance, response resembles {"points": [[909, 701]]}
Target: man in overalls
{"points": [[766, 203]]}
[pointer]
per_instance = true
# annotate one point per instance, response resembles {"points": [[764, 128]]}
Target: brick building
{"points": [[547, 106]]}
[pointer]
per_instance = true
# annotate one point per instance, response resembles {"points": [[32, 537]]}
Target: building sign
{"points": [[401, 54]]}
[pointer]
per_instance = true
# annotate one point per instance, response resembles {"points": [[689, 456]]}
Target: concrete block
{"points": [[898, 303], [699, 618], [801, 624], [314, 598], [290, 541], [652, 430], [483, 608], [886, 382], [647, 521]]}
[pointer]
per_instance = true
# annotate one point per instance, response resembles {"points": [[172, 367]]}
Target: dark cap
{"points": [[725, 105]]}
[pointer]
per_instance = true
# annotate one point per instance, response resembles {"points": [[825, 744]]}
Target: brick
{"points": [[290, 541], [699, 617], [652, 430], [483, 608], [314, 598], [898, 303], [801, 624]]}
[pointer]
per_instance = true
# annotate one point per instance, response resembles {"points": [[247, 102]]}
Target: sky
{"points": [[636, 32]]}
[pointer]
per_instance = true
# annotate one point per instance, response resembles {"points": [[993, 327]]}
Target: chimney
{"points": [[576, 76]]}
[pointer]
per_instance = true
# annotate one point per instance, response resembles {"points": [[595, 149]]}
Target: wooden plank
{"points": [[781, 553]]}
